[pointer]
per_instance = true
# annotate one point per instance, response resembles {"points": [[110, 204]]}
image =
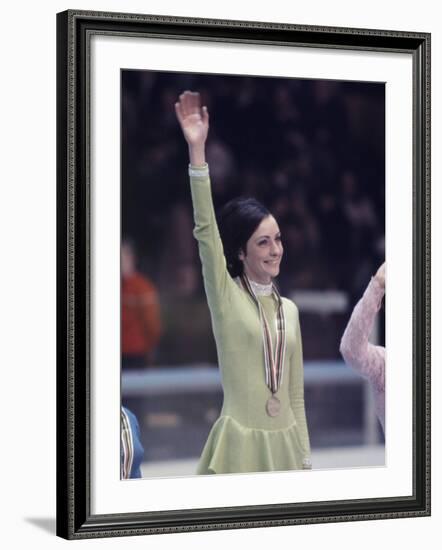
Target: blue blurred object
{"points": [[132, 451]]}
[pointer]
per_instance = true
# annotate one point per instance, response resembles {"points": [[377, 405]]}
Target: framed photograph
{"points": [[243, 274]]}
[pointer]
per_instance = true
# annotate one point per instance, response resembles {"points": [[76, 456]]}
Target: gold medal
{"points": [[273, 406]]}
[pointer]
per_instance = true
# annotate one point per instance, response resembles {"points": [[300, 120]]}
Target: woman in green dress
{"points": [[262, 425]]}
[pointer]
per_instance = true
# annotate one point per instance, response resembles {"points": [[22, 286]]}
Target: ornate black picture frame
{"points": [[74, 517]]}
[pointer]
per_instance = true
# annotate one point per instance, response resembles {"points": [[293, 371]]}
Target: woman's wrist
{"points": [[197, 155]]}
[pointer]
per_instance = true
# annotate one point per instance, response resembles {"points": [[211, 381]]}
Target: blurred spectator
{"points": [[140, 313], [222, 166], [358, 210], [335, 234]]}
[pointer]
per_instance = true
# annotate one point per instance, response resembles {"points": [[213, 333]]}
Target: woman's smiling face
{"points": [[263, 252]]}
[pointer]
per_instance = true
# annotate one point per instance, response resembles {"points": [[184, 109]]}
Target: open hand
{"points": [[193, 119]]}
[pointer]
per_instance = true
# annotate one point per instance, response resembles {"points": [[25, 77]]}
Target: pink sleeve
{"points": [[357, 351]]}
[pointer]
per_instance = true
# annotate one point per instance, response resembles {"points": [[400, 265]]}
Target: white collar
{"points": [[258, 288]]}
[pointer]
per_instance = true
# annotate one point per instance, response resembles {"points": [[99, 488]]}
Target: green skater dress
{"points": [[245, 438]]}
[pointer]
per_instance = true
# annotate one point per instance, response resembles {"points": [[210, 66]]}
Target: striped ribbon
{"points": [[274, 360], [127, 444]]}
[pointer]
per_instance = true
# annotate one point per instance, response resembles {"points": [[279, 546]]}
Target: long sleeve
{"points": [[297, 395], [357, 351], [215, 274]]}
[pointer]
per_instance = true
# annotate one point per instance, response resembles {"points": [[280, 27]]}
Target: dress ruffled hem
{"points": [[234, 448]]}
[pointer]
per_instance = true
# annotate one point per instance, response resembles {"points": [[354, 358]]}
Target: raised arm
{"points": [[194, 122], [356, 350]]}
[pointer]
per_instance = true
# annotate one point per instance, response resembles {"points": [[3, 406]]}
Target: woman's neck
{"points": [[258, 280]]}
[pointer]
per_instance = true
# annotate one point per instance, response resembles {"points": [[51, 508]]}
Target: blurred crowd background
{"points": [[313, 151]]}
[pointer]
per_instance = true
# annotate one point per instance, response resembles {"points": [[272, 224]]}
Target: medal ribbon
{"points": [[274, 361]]}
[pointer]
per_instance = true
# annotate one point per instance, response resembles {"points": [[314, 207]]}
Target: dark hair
{"points": [[237, 221]]}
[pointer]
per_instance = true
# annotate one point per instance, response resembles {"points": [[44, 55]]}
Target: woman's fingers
{"points": [[183, 104], [186, 103], [190, 103], [195, 102]]}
